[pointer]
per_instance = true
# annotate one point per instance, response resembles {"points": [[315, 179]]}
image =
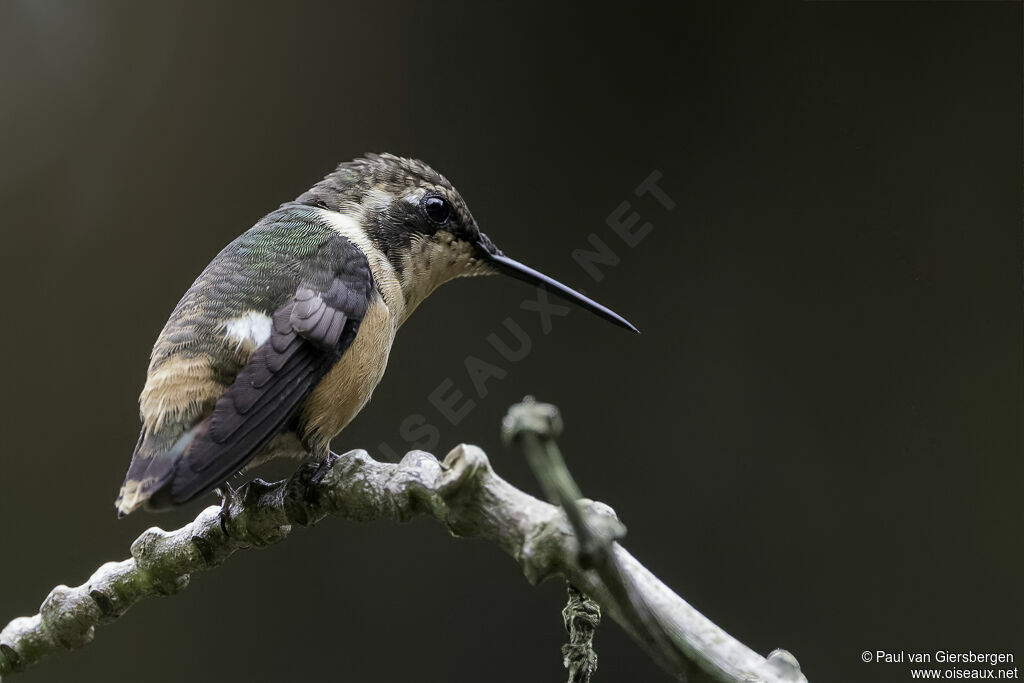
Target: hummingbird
{"points": [[281, 340]]}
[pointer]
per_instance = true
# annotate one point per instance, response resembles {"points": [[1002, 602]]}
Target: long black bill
{"points": [[527, 274]]}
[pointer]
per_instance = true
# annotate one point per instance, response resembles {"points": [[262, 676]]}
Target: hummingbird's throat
{"points": [[433, 260]]}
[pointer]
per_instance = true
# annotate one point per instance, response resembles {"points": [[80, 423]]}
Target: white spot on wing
{"points": [[251, 329]]}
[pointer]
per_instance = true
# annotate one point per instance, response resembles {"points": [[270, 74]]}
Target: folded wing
{"points": [[309, 334]]}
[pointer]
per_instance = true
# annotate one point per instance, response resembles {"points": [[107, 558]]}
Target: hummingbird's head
{"points": [[419, 222]]}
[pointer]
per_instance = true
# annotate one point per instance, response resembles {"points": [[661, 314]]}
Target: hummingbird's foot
{"points": [[227, 495]]}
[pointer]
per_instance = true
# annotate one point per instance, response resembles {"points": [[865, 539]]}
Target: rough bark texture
{"points": [[581, 616], [463, 493]]}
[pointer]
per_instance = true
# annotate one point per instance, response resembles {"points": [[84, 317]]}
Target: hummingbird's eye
{"points": [[437, 208]]}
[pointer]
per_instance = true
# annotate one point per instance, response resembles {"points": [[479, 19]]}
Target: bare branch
{"points": [[463, 492], [535, 426]]}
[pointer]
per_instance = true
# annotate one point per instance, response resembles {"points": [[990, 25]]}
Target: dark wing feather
{"points": [[308, 336]]}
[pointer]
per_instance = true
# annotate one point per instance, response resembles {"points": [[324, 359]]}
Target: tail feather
{"points": [[151, 470]]}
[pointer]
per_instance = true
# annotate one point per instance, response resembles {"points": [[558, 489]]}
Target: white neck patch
{"points": [[383, 271]]}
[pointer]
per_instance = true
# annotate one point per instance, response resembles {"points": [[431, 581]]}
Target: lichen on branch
{"points": [[463, 492]]}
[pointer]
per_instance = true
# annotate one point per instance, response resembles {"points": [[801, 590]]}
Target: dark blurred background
{"points": [[816, 440]]}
